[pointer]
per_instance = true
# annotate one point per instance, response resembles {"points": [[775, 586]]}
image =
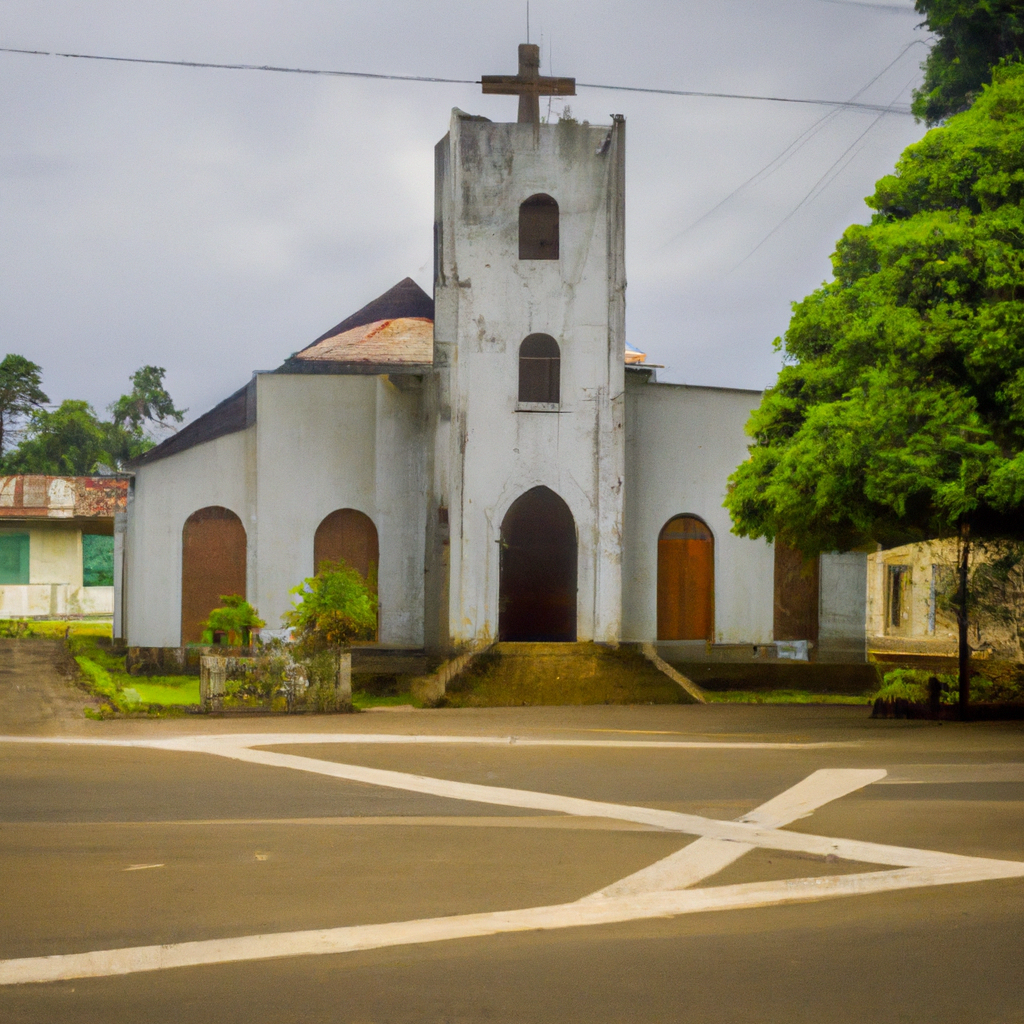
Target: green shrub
{"points": [[911, 684], [334, 608], [235, 620]]}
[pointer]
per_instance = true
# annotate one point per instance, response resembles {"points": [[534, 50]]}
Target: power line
{"points": [[815, 190], [797, 144], [447, 81]]}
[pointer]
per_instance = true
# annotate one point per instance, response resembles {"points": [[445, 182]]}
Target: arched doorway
{"points": [[212, 565], [350, 536], [686, 580], [537, 579]]}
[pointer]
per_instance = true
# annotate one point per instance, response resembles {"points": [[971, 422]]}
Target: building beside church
{"points": [[487, 451], [57, 545]]}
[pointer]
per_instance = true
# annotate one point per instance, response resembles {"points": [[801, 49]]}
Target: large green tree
{"points": [[899, 412], [972, 37], [20, 393]]}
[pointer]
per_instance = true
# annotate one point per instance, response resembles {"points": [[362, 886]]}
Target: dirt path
{"points": [[38, 693]]}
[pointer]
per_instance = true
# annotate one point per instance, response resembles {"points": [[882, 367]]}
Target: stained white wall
{"points": [[167, 492], [682, 444], [488, 452], [327, 442]]}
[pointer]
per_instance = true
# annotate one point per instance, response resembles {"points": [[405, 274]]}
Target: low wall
{"points": [[53, 600]]}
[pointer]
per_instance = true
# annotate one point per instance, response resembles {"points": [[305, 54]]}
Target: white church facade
{"points": [[486, 452]]}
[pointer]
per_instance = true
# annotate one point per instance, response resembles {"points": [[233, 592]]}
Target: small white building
{"points": [[57, 545], [487, 451]]}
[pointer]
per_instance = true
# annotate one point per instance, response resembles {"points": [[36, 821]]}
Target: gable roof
{"points": [[395, 329]]}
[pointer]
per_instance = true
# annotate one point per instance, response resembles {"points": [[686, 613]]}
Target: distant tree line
{"points": [[71, 440]]}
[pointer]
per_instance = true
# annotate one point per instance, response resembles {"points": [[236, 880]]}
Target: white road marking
{"points": [[705, 857], [110, 962], [758, 828], [142, 867], [257, 739], [904, 774]]}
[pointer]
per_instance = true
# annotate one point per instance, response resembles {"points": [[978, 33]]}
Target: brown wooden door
{"points": [[537, 576], [686, 580], [212, 566], [349, 536], [796, 595]]}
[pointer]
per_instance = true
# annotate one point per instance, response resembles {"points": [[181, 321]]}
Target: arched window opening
{"points": [[538, 228], [686, 580], [538, 570], [539, 369], [212, 566], [349, 536]]}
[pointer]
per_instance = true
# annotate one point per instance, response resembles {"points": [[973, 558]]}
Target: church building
{"points": [[486, 452]]}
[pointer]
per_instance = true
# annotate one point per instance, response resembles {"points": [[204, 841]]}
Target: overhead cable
{"points": [[446, 81]]}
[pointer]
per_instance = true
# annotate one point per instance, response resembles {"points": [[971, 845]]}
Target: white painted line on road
{"points": [[706, 857], [110, 962], [292, 738], [142, 867], [905, 774], [732, 831]]}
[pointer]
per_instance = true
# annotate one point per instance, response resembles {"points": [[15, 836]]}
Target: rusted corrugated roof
{"points": [[62, 497], [402, 340], [406, 299]]}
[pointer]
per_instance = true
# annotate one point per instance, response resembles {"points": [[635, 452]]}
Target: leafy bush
{"points": [[911, 684], [235, 621], [334, 608]]}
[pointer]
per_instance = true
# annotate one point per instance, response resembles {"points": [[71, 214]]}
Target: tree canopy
{"points": [[899, 413], [72, 439], [20, 393], [973, 36]]}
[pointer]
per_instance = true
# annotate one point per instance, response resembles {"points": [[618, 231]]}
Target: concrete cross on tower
{"points": [[528, 84]]}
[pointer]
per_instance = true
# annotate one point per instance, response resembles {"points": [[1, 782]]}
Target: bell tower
{"points": [[525, 524]]}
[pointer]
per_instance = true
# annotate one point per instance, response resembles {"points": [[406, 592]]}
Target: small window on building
{"points": [[897, 597], [13, 558], [97, 560], [538, 229], [539, 368]]}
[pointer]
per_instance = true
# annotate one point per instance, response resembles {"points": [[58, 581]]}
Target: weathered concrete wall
{"points": [[54, 600], [842, 605], [487, 450], [327, 442], [167, 492], [682, 444]]}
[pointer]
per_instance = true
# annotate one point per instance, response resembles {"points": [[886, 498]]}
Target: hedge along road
{"points": [[437, 875]]}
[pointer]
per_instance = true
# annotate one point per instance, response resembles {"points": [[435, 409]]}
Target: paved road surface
{"points": [[127, 847]]}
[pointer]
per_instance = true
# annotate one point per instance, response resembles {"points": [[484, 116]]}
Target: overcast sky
{"points": [[212, 222]]}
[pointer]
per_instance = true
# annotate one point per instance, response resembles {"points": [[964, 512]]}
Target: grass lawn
{"points": [[168, 691], [55, 629], [783, 697]]}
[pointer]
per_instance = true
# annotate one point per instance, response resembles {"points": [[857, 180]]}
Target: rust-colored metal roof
{"points": [[402, 340], [62, 497]]}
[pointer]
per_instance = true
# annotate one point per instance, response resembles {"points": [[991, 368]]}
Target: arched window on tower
{"points": [[539, 367], [538, 228]]}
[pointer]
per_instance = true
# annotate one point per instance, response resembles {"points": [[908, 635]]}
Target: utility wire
{"points": [[795, 146], [815, 189], [448, 81]]}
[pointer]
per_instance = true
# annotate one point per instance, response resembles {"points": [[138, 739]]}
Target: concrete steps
{"points": [[563, 673]]}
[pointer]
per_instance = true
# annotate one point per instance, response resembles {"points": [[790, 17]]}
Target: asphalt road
{"points": [[119, 847]]}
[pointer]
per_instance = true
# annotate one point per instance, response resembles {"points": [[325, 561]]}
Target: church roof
{"points": [[395, 329]]}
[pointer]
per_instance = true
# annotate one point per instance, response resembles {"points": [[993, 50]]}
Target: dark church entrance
{"points": [[537, 589]]}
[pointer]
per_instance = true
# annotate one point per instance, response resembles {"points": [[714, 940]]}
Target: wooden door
{"points": [[686, 580]]}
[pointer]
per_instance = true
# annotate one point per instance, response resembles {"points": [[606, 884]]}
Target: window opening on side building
{"points": [[897, 597], [97, 560], [14, 558]]}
